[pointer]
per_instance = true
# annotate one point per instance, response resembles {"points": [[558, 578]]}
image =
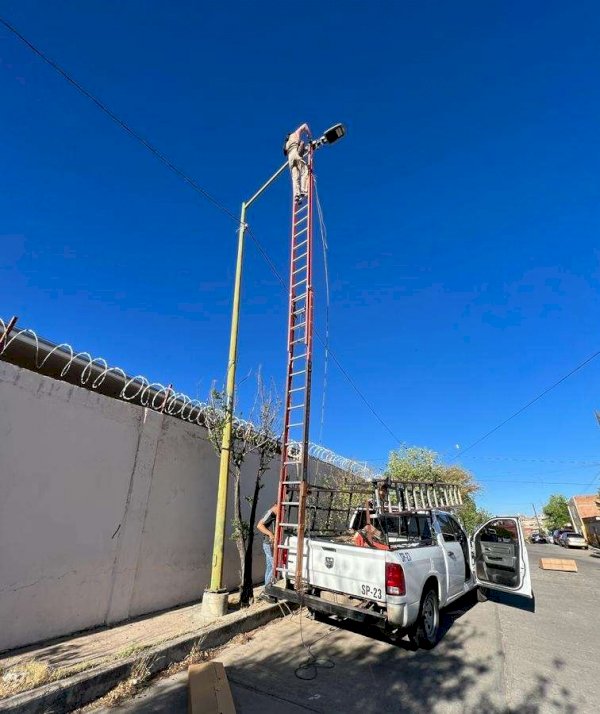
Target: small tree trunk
{"points": [[247, 584], [240, 541]]}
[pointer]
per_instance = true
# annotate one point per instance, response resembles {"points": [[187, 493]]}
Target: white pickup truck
{"points": [[428, 562]]}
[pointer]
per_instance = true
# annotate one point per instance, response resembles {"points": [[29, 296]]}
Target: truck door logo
{"points": [[329, 562]]}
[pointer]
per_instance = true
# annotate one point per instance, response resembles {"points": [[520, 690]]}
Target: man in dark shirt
{"points": [[266, 526]]}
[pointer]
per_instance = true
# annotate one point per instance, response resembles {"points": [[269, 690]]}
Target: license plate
{"points": [[371, 592]]}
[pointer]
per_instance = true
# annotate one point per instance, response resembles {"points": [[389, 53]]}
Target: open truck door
{"points": [[500, 557]]}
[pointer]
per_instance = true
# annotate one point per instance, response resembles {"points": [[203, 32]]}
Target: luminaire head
{"points": [[335, 132]]}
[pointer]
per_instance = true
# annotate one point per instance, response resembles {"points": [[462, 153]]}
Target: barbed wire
{"points": [[160, 397], [357, 468]]}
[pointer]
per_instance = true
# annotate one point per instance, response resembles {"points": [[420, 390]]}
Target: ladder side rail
{"points": [[299, 584], [282, 516]]}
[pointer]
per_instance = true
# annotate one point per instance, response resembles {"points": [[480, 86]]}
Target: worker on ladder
{"points": [[294, 149]]}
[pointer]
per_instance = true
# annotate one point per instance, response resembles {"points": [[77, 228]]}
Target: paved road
{"points": [[495, 657]]}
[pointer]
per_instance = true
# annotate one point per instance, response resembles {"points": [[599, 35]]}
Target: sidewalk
{"points": [[48, 664]]}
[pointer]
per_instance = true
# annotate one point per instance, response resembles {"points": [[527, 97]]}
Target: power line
{"points": [[188, 179], [582, 462], [526, 406], [323, 342], [120, 122], [577, 462], [539, 483]]}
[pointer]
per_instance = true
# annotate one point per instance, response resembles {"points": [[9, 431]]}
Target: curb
{"points": [[81, 689]]}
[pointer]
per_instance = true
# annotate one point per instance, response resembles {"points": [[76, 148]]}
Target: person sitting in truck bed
{"points": [[370, 537]]}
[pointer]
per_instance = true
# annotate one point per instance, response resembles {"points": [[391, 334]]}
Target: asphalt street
{"points": [[494, 657]]}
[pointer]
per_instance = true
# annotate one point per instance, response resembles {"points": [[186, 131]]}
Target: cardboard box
{"points": [[564, 564], [208, 689]]}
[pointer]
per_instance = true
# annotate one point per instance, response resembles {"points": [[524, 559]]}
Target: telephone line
{"points": [[525, 406], [183, 175], [120, 122]]}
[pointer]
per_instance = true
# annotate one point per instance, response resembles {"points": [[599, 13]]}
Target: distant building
{"points": [[585, 516], [531, 524]]}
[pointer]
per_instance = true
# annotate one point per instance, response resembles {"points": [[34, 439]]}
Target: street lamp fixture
{"points": [[335, 132]]}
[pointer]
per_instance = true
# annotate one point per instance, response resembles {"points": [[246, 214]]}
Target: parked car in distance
{"points": [[538, 538], [569, 539]]}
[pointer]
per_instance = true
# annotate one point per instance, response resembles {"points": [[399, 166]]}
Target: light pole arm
{"points": [[266, 185]]}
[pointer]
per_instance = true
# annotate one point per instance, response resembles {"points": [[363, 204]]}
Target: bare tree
{"points": [[259, 435], [267, 409]]}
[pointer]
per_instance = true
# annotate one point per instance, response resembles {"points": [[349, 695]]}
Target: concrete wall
{"points": [[106, 509]]}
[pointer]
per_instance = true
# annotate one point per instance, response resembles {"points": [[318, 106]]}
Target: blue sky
{"points": [[462, 210]]}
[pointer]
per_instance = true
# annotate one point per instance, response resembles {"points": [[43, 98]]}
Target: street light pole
{"points": [[215, 598]]}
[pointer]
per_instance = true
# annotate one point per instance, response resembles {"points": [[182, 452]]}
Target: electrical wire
{"points": [[332, 354], [309, 669], [192, 183], [323, 233], [209, 197], [120, 122], [530, 403]]}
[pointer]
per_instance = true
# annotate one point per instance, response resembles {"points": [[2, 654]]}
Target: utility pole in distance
{"points": [[537, 519]]}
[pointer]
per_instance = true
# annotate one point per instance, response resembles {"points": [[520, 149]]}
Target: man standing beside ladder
{"points": [[264, 526], [295, 149]]}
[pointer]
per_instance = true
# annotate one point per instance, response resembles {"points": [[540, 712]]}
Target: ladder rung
{"points": [[301, 207], [299, 245], [288, 525], [287, 547], [302, 219], [300, 324], [299, 270], [299, 257], [299, 311], [295, 357], [295, 406], [300, 423], [301, 371], [300, 232], [291, 503], [299, 339], [293, 483], [300, 282], [297, 389]]}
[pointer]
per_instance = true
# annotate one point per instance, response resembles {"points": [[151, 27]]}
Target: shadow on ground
{"points": [[463, 674]]}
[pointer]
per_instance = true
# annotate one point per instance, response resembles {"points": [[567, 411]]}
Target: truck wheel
{"points": [[482, 594], [425, 631]]}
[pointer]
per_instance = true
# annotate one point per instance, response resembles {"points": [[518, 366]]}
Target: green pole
{"points": [[216, 578]]}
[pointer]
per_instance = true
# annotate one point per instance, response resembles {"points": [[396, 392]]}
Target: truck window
{"points": [[458, 531], [402, 529], [447, 527]]}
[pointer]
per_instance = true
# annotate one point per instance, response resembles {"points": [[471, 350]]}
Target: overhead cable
{"points": [[189, 180], [530, 403], [120, 122]]}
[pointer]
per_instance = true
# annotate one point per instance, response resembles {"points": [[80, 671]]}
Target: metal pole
{"points": [[266, 185], [537, 519], [4, 336], [216, 578]]}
